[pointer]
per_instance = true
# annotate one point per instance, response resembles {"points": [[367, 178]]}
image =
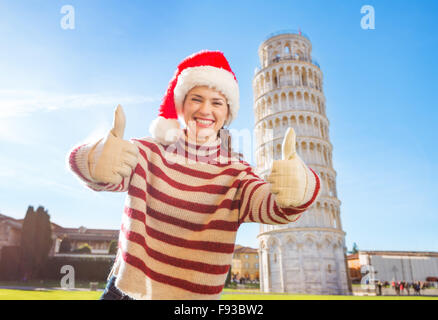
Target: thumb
{"points": [[119, 122], [288, 147]]}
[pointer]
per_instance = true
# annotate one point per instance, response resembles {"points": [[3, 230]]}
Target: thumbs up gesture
{"points": [[288, 176], [113, 158]]}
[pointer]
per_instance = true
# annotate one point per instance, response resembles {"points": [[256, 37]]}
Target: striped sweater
{"points": [[184, 205]]}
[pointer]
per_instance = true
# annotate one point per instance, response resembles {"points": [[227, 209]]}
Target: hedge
{"points": [[9, 263], [85, 268]]}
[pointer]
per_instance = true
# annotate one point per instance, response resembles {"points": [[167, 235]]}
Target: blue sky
{"points": [[59, 87]]}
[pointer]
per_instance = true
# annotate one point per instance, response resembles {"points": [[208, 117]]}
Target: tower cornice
{"points": [[291, 88], [298, 138], [290, 111], [331, 230], [284, 61]]}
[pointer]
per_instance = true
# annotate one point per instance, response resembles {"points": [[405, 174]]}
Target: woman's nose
{"points": [[205, 108]]}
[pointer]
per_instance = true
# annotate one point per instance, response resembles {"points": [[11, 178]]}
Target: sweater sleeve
{"points": [[258, 203], [78, 163]]}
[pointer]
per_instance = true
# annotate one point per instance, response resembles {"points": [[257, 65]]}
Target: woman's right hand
{"points": [[112, 158]]}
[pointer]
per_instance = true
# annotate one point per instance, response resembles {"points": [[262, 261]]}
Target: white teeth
{"points": [[204, 121]]}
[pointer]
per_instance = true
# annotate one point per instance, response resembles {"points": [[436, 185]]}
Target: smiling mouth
{"points": [[204, 122]]}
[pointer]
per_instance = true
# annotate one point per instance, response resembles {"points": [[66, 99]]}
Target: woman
{"points": [[188, 193]]}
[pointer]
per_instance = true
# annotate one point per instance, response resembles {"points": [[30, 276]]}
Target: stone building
{"points": [[390, 266], [307, 256], [354, 267], [10, 231], [98, 239], [245, 263]]}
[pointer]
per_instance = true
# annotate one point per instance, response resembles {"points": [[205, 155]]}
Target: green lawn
{"points": [[49, 284], [7, 294], [316, 297]]}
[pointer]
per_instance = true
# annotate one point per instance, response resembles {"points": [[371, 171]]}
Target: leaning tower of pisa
{"points": [[306, 256]]}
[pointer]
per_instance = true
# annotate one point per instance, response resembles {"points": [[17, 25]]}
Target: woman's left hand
{"points": [[288, 178]]}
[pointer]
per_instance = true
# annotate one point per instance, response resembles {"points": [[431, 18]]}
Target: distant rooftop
{"points": [[81, 233], [399, 253], [241, 249]]}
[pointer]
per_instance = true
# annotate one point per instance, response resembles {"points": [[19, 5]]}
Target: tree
{"points": [[27, 246], [228, 279], [43, 239], [113, 247], [36, 241], [355, 248], [65, 246]]}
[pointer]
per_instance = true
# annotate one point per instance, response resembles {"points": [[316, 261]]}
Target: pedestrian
{"points": [[379, 288], [188, 192], [417, 288]]}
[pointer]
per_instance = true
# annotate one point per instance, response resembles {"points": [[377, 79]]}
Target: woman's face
{"points": [[205, 111]]}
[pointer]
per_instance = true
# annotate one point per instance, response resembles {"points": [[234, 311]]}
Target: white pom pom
{"points": [[165, 131]]}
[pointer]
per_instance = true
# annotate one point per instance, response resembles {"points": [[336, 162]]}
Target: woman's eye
{"points": [[197, 100]]}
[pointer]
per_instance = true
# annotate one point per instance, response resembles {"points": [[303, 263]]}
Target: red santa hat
{"points": [[204, 68]]}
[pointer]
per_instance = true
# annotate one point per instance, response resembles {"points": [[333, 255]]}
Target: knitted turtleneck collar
{"points": [[192, 144], [190, 149]]}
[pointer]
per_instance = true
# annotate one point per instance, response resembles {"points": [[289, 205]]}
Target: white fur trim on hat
{"points": [[217, 78], [166, 131]]}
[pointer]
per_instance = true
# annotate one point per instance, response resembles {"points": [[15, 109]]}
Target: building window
{"points": [[246, 256], [256, 265], [257, 256]]}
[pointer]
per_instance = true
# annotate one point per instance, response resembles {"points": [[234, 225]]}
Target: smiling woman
{"points": [[181, 217]]}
